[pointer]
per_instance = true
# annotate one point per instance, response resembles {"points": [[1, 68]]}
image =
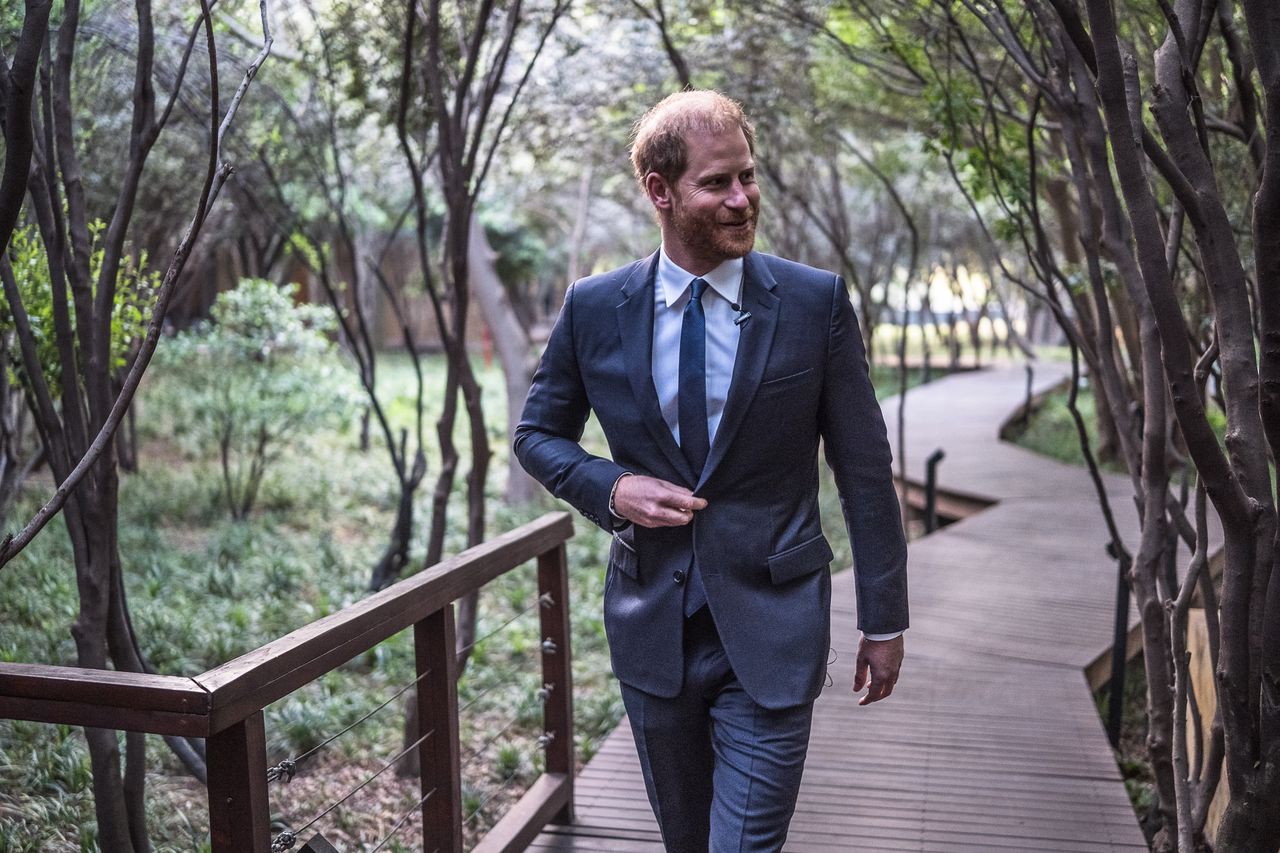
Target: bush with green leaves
{"points": [[261, 373], [135, 289]]}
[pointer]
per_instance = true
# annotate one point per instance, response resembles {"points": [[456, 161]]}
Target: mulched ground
{"points": [[370, 816]]}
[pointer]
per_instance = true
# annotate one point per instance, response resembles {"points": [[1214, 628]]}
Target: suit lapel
{"points": [[754, 344], [635, 326]]}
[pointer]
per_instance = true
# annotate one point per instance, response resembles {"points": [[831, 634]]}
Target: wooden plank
{"points": [[437, 697], [546, 800], [1098, 673], [557, 672], [264, 675], [104, 717], [128, 701], [239, 810], [107, 687]]}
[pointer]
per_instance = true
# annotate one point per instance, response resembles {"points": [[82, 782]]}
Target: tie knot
{"points": [[699, 288]]}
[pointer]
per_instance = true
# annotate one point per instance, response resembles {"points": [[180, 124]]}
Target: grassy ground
{"points": [[204, 589], [1051, 431]]}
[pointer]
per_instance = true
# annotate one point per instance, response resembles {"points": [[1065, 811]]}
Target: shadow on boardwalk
{"points": [[990, 741]]}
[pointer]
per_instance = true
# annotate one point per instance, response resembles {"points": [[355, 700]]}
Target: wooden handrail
{"points": [[159, 704], [225, 704], [258, 678]]}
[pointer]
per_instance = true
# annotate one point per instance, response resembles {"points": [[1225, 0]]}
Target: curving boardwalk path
{"points": [[990, 741]]}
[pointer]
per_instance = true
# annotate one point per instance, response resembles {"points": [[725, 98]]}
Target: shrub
{"points": [[260, 374]]}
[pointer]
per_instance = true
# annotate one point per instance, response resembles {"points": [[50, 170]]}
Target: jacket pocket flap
{"points": [[622, 556], [784, 383], [800, 560]]}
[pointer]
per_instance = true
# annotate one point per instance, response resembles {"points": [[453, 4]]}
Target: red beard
{"points": [[706, 237]]}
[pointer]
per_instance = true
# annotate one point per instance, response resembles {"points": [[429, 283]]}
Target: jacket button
{"points": [[678, 576]]}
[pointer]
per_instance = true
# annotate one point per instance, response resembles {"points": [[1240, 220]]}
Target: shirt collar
{"points": [[673, 281]]}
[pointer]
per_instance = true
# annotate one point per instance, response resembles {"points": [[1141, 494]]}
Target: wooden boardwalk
{"points": [[991, 741]]}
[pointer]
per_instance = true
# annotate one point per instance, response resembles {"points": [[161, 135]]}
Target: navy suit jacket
{"points": [[799, 381]]}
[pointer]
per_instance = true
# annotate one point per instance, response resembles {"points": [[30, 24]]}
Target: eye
{"points": [[748, 177]]}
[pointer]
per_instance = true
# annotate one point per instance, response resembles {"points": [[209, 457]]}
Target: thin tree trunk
{"points": [[512, 344]]}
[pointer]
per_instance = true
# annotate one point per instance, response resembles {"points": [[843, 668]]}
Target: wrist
{"points": [[619, 521]]}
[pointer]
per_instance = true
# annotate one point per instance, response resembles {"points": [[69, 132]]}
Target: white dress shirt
{"points": [[670, 297]]}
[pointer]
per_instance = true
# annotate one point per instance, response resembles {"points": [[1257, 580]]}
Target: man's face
{"points": [[711, 209]]}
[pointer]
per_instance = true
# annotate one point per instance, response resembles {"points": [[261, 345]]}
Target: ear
{"points": [[658, 190]]}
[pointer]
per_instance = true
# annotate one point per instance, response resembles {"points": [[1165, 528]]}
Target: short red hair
{"points": [[658, 138]]}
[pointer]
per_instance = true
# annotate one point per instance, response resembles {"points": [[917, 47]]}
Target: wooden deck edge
{"points": [[551, 794], [1027, 407], [952, 504], [1098, 671]]}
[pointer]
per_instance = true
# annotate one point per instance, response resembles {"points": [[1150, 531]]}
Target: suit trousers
{"points": [[722, 772]]}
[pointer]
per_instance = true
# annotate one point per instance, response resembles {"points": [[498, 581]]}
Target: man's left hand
{"points": [[877, 668]]}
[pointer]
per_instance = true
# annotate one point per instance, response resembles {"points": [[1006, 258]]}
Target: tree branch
{"points": [[215, 176], [18, 95]]}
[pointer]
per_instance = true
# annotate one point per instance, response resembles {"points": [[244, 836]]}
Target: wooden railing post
{"points": [[239, 810], [433, 643], [557, 670]]}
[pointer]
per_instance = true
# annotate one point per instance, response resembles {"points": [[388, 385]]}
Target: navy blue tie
{"points": [[695, 440]]}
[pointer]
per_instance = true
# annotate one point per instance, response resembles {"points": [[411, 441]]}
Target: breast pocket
{"points": [[783, 384]]}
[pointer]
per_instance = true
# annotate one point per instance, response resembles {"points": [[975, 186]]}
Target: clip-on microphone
{"points": [[743, 316]]}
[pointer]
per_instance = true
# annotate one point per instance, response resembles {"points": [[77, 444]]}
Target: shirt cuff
{"points": [[618, 521], [880, 638]]}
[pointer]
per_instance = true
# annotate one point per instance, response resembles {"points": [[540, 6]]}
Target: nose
{"points": [[737, 198]]}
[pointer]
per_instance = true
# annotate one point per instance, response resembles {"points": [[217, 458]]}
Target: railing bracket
{"points": [[283, 772], [284, 841]]}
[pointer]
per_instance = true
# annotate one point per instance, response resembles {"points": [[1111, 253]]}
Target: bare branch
{"points": [[215, 176], [658, 17], [560, 8]]}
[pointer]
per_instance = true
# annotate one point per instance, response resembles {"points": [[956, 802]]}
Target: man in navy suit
{"points": [[716, 373]]}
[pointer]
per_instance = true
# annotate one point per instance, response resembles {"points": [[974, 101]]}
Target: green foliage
{"points": [[521, 252], [260, 374], [473, 800], [44, 772], [508, 762], [1051, 431], [135, 291]]}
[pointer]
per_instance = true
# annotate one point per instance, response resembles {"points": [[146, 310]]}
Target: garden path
{"points": [[991, 741]]}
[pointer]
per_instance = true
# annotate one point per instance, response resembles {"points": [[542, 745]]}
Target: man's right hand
{"points": [[650, 502]]}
